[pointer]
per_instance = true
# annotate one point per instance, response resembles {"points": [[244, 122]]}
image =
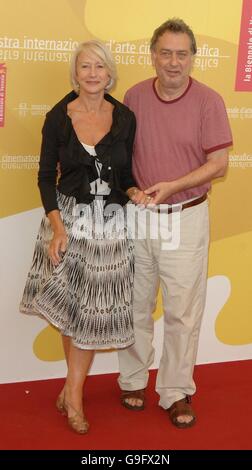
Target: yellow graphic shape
{"points": [[32, 82], [159, 307], [22, 135], [47, 345], [232, 257], [128, 20]]}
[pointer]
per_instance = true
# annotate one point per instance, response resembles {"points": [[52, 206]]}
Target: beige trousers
{"points": [[182, 275]]}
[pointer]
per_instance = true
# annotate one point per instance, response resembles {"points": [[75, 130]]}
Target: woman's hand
{"points": [[57, 247], [59, 241]]}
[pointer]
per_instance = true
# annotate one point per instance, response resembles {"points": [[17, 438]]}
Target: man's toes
{"points": [[184, 419], [139, 402], [134, 402]]}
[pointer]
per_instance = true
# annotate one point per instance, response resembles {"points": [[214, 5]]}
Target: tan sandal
{"points": [[60, 405], [182, 408], [77, 422], [133, 394]]}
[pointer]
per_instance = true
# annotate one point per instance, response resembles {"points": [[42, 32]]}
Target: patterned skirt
{"points": [[88, 296]]}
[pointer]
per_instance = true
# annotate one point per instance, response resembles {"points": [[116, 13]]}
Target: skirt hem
{"points": [[112, 345]]}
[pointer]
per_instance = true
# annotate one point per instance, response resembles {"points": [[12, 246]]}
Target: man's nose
{"points": [[174, 58]]}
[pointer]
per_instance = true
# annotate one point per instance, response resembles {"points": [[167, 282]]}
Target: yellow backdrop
{"points": [[35, 47]]}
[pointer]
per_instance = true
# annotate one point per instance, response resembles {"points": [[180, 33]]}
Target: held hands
{"points": [[156, 194], [57, 247], [139, 197], [160, 192]]}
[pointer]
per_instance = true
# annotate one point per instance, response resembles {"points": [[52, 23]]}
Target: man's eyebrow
{"points": [[164, 49]]}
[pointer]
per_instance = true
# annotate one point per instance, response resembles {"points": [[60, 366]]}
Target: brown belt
{"points": [[195, 202]]}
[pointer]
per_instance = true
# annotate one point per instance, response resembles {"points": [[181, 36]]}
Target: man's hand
{"points": [[159, 192]]}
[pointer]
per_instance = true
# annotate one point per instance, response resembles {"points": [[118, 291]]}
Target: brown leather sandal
{"points": [[180, 408], [135, 394]]}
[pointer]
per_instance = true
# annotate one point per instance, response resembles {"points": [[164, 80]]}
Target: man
{"points": [[181, 145]]}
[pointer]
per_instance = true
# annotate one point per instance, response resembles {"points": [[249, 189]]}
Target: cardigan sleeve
{"points": [[47, 175], [127, 180]]}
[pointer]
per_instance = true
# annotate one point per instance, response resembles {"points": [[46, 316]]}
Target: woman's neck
{"points": [[91, 103]]}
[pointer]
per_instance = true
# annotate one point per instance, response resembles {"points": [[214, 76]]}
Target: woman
{"points": [[81, 280]]}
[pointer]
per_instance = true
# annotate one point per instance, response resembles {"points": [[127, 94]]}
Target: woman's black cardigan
{"points": [[77, 167]]}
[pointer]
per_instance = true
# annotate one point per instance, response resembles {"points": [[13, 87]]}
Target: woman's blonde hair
{"points": [[102, 51]]}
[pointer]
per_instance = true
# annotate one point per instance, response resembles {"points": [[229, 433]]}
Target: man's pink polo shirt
{"points": [[174, 137]]}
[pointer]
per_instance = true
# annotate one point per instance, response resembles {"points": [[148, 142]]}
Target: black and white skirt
{"points": [[88, 296]]}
